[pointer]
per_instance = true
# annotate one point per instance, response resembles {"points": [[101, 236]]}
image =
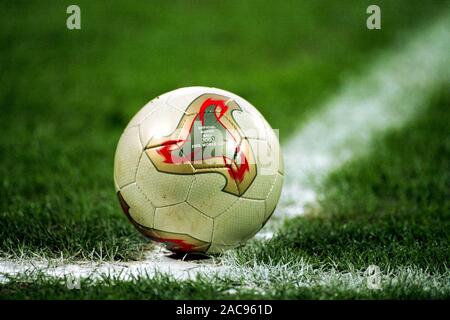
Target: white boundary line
{"points": [[391, 92], [394, 89]]}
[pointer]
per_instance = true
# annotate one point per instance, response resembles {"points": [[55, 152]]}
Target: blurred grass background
{"points": [[65, 96]]}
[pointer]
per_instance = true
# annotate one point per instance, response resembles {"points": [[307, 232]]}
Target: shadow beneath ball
{"points": [[189, 256]]}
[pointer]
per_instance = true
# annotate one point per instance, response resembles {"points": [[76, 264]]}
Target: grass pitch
{"points": [[66, 96], [389, 209]]}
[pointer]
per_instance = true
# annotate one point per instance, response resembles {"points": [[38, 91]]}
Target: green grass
{"points": [[390, 208], [405, 285], [66, 95]]}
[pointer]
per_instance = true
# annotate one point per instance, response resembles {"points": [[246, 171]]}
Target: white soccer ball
{"points": [[198, 169]]}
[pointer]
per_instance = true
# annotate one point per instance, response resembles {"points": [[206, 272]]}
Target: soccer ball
{"points": [[198, 169]]}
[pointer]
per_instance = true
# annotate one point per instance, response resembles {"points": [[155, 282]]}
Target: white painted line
{"points": [[157, 261], [392, 91]]}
